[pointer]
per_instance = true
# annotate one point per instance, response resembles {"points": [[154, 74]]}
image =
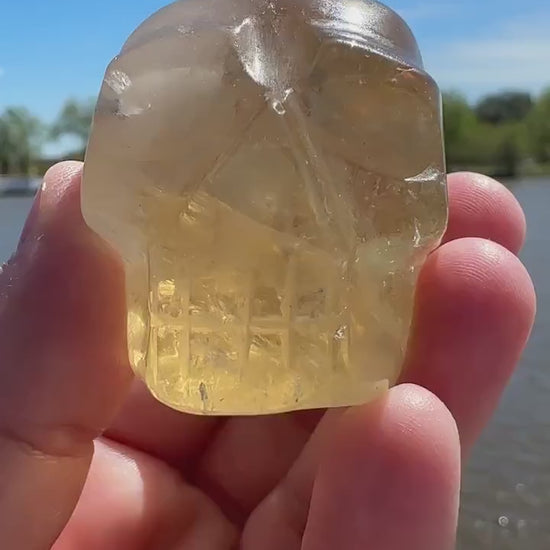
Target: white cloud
{"points": [[513, 54]]}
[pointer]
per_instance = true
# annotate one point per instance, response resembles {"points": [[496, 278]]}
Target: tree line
{"points": [[23, 135], [503, 134]]}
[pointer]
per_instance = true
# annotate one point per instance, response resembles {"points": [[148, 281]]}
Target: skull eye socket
{"points": [[373, 112]]}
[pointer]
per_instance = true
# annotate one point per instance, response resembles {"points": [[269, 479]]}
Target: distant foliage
{"points": [[21, 135], [503, 134], [538, 125], [460, 127], [74, 119], [504, 107]]}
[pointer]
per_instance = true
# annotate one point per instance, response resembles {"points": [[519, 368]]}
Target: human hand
{"points": [[90, 459]]}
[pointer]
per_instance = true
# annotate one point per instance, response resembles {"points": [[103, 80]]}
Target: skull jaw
{"points": [[242, 323]]}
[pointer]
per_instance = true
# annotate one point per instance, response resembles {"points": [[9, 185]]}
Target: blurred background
{"points": [[492, 61]]}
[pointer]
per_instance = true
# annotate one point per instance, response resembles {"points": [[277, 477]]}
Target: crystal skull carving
{"points": [[272, 175]]}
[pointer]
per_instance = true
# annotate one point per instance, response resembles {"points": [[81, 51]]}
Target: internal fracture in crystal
{"points": [[272, 175]]}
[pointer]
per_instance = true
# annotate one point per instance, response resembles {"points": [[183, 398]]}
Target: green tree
{"points": [[477, 143], [511, 148], [538, 125], [21, 136], [75, 119], [504, 107], [459, 125]]}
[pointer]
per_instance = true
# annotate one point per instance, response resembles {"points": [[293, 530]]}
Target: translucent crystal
{"points": [[272, 175]]}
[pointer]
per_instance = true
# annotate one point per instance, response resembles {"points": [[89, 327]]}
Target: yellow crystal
{"points": [[272, 175]]}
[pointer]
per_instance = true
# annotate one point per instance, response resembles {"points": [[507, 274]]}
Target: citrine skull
{"points": [[272, 175]]}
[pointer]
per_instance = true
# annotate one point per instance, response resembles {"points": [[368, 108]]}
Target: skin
{"points": [[89, 460]]}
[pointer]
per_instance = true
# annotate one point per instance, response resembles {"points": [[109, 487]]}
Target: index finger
{"points": [[63, 362]]}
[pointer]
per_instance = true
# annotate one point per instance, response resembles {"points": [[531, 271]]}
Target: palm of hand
{"points": [[382, 476]]}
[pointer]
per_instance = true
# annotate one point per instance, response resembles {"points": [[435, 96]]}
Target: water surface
{"points": [[506, 489]]}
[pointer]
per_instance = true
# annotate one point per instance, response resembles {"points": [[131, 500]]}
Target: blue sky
{"points": [[52, 49]]}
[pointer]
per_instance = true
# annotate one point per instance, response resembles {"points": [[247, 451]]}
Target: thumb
{"points": [[63, 362]]}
